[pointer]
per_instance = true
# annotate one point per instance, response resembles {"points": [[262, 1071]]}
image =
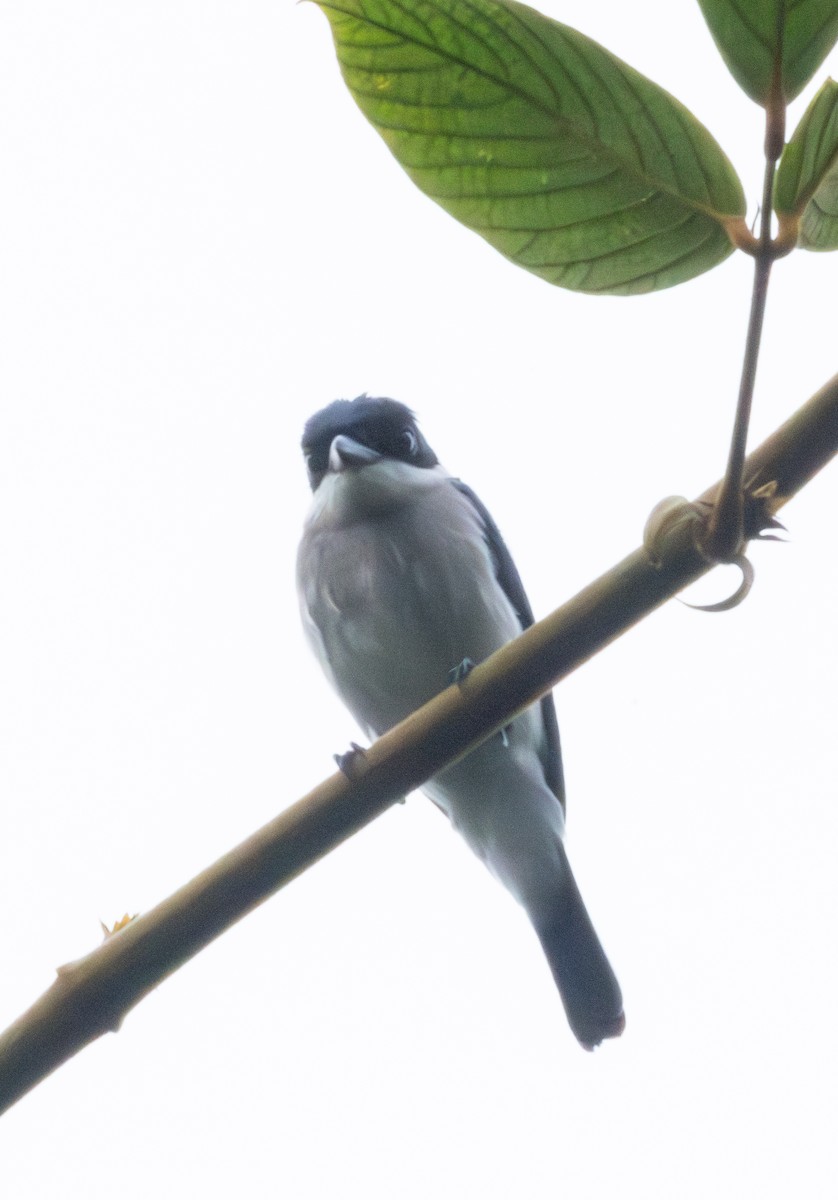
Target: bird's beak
{"points": [[345, 452]]}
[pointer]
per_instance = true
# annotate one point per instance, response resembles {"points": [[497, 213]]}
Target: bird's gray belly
{"points": [[393, 627]]}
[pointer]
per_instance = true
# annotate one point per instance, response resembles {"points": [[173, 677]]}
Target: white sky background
{"points": [[202, 242]]}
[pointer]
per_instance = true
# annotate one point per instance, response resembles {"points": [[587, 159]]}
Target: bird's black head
{"points": [[383, 425]]}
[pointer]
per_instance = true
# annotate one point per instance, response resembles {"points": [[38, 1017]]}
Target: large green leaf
{"points": [[565, 159], [757, 38], [806, 191]]}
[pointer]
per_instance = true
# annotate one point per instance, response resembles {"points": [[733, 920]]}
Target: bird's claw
{"points": [[348, 763], [458, 674]]}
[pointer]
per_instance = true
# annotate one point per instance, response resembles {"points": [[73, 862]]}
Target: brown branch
{"points": [[91, 996]]}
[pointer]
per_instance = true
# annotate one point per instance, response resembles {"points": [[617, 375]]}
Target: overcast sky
{"points": [[202, 242]]}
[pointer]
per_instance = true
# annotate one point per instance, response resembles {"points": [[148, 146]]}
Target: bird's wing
{"points": [[510, 581]]}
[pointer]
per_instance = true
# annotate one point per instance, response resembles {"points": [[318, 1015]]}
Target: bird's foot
{"points": [[350, 762], [458, 674]]}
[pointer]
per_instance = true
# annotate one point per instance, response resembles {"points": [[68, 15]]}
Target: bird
{"points": [[404, 583]]}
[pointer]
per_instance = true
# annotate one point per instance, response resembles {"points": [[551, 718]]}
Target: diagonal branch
{"points": [[91, 996]]}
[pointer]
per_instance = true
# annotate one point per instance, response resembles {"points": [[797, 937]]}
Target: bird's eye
{"points": [[409, 442]]}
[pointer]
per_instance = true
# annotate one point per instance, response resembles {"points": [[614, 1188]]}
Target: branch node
{"points": [[666, 523]]}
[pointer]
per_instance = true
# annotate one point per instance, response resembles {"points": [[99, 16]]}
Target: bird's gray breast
{"points": [[392, 602]]}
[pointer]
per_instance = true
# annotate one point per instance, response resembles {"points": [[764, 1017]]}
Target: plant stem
{"points": [[725, 533]]}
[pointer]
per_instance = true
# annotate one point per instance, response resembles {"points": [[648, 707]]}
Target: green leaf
{"points": [[562, 157], [806, 189], [757, 38]]}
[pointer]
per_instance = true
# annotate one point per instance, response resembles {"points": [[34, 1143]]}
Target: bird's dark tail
{"points": [[587, 985]]}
